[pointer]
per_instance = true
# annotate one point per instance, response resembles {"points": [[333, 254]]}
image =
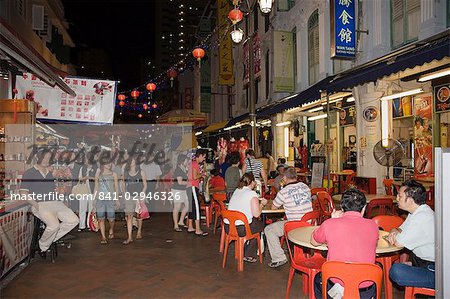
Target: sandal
{"points": [[249, 259], [182, 225], [104, 242], [127, 242], [138, 237], [111, 236], [177, 229]]}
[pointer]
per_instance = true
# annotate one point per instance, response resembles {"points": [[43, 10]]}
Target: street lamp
{"points": [[265, 5], [237, 35]]}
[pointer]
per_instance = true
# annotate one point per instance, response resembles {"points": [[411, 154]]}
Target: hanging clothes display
{"points": [[233, 145], [243, 146], [222, 146], [265, 139]]}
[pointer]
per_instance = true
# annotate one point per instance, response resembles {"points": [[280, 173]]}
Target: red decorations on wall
{"points": [[235, 16], [135, 94], [151, 87]]}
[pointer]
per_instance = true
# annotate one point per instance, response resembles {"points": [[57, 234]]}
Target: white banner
{"points": [[283, 61], [93, 103]]}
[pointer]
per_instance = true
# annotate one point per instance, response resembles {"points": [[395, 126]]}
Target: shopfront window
{"points": [[313, 47], [405, 21]]}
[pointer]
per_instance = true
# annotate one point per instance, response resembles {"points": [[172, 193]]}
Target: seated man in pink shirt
{"points": [[350, 238]]}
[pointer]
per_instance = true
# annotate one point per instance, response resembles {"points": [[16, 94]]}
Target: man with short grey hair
{"points": [[295, 197]]}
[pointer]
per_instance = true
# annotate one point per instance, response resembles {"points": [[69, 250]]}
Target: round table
{"points": [[369, 197], [302, 237]]}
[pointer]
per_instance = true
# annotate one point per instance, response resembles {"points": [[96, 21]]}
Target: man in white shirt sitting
{"points": [[295, 197], [417, 235]]}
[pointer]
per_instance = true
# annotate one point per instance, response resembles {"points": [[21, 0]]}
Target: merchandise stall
{"points": [[17, 119]]}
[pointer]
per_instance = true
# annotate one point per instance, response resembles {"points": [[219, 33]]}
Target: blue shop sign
{"points": [[343, 29]]}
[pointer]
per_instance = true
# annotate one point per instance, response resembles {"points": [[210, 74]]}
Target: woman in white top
{"points": [[245, 200]]}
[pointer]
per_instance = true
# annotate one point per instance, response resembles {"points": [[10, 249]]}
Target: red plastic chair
{"points": [[273, 190], [388, 183], [232, 217], [313, 217], [383, 204], [326, 204], [218, 204], [352, 275], [207, 210], [315, 190], [387, 222], [411, 292], [309, 266]]}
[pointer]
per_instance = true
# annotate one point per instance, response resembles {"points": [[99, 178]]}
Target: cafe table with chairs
{"points": [[302, 237]]}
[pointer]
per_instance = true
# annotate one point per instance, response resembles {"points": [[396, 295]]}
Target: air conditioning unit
{"points": [[38, 17]]}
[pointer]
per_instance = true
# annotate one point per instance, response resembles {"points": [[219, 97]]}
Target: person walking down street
{"points": [[233, 175], [245, 200], [295, 197], [105, 203], [196, 174], [417, 235], [135, 186], [179, 191]]}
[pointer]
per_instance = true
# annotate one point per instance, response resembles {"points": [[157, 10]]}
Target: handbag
{"points": [[141, 210], [93, 222]]}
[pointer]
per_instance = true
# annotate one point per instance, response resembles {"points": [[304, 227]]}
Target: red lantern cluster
{"points": [[121, 103], [198, 53], [151, 87], [145, 106], [235, 16], [172, 74], [135, 94], [154, 105], [121, 97]]}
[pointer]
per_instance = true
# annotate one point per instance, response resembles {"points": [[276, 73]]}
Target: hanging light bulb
{"points": [[237, 35], [265, 5]]}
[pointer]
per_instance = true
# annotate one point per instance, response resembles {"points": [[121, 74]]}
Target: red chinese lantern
{"points": [[140, 115], [121, 103], [154, 105], [121, 97], [135, 94], [172, 74], [235, 16], [198, 54], [145, 106], [151, 87]]}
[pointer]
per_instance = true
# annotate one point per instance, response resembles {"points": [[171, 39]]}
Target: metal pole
{"points": [[327, 137], [252, 110]]}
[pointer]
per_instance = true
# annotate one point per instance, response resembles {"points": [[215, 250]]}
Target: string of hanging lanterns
{"points": [[237, 35]]}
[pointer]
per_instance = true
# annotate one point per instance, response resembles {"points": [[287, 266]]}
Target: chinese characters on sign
{"points": [[347, 116], [256, 58], [94, 100], [283, 61], [226, 74], [343, 29]]}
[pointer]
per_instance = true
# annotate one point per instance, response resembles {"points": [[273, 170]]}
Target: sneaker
{"points": [[277, 264]]}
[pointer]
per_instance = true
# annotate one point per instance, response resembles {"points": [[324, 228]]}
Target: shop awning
{"points": [[237, 119], [435, 48], [215, 127], [14, 47]]}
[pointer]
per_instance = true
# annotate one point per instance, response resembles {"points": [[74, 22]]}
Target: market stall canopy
{"points": [[215, 127], [182, 116], [14, 47]]}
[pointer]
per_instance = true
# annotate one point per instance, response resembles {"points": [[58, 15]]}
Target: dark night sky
{"points": [[123, 28]]}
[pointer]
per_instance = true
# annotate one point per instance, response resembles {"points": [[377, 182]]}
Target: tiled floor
{"points": [[165, 264]]}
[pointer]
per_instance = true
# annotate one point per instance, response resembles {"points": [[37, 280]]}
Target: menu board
{"points": [[442, 98], [94, 100]]}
